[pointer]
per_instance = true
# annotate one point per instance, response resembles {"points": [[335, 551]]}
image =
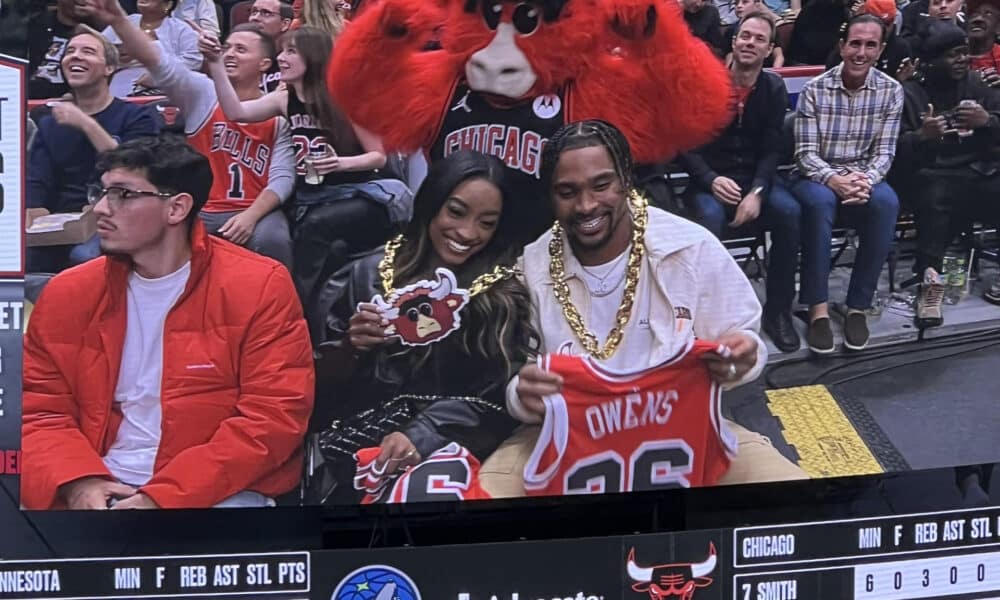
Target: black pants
{"points": [[947, 203], [328, 235]]}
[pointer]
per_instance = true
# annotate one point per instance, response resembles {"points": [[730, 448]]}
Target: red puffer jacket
{"points": [[237, 387]]}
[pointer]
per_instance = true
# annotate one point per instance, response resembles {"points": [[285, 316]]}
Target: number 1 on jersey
{"points": [[235, 181]]}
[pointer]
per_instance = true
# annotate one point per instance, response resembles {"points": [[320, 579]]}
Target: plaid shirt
{"points": [[837, 131]]}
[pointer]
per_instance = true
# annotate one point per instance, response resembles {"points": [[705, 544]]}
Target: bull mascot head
{"points": [[678, 580], [426, 311]]}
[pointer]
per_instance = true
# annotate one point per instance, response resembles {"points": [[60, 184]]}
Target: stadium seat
{"points": [[239, 13]]}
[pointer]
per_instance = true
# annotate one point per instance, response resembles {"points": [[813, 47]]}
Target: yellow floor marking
{"points": [[827, 443]]}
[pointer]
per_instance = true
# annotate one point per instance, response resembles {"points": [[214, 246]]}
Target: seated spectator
{"points": [[67, 142], [817, 31], [896, 60], [950, 130], [703, 19], [775, 58], [274, 18], [171, 34], [846, 126], [253, 164], [984, 52], [462, 221], [343, 202], [688, 286], [125, 408], [45, 75], [918, 14], [733, 177]]}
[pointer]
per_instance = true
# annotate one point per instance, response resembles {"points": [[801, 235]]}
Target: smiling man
{"points": [[984, 52], [174, 372], [950, 129], [732, 178], [65, 148], [846, 125], [253, 164]]}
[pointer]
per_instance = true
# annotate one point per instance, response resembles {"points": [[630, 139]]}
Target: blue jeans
{"points": [[875, 223], [781, 215]]}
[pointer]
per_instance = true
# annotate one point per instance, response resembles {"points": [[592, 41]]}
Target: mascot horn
{"points": [[501, 76]]}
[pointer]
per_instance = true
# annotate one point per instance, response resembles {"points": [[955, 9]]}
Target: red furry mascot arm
{"points": [[659, 84], [383, 78]]}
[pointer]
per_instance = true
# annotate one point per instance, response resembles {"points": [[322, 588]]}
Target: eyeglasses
{"points": [[118, 195], [263, 12]]}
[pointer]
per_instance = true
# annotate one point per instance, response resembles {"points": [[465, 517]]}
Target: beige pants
{"points": [[756, 461]]}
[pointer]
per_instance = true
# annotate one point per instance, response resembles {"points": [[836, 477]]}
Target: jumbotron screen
{"points": [[248, 414]]}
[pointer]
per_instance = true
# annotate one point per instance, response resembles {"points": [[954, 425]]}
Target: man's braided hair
{"points": [[583, 134]]}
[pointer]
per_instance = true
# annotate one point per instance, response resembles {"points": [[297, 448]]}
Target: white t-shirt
{"points": [[133, 454]]}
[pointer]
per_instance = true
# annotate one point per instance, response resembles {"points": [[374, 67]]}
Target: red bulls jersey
{"points": [[240, 155], [451, 473], [608, 432]]}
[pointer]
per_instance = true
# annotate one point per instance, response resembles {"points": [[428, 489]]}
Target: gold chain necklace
{"points": [[557, 270], [387, 271]]}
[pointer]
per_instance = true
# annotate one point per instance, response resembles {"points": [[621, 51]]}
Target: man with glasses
{"points": [[274, 18], [174, 372], [63, 151]]}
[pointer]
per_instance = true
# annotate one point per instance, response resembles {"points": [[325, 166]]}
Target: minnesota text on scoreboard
{"points": [[240, 575], [926, 555]]}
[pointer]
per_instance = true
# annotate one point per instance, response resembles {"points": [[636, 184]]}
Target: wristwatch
{"points": [[757, 190]]}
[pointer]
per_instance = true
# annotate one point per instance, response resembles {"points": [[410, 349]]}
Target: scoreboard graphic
{"points": [[953, 554], [944, 555], [283, 576]]}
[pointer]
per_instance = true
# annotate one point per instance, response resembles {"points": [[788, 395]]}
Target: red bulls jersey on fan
{"points": [[240, 155], [611, 432], [451, 473], [515, 133]]}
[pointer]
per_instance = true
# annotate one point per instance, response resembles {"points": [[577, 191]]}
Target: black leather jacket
{"points": [[975, 152], [446, 370]]}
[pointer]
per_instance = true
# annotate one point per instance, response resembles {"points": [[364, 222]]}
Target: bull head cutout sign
{"points": [[426, 311]]}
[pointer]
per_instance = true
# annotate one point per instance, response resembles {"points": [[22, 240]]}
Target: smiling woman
{"points": [[457, 358]]}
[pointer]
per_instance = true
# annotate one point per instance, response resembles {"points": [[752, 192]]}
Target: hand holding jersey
{"points": [[602, 287]]}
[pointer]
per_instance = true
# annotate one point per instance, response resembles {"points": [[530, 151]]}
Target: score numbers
{"points": [[928, 577]]}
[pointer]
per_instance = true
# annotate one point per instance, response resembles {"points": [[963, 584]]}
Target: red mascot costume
{"points": [[502, 76]]}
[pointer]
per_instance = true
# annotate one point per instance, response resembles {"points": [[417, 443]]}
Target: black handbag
{"points": [[329, 454]]}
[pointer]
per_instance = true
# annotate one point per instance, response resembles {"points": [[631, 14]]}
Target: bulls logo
{"points": [[547, 106], [677, 580], [426, 311]]}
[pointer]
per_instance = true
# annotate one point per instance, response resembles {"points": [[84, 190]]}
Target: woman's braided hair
{"points": [[583, 134]]}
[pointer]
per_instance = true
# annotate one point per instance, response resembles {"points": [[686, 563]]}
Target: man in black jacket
{"points": [[731, 178], [949, 131]]}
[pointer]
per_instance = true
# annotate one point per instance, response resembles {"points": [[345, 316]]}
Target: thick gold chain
{"points": [[387, 271], [557, 270]]}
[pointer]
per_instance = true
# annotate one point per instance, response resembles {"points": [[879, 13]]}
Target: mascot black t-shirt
{"points": [[515, 134]]}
